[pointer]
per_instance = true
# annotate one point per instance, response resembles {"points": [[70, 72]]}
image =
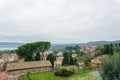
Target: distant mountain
{"points": [[62, 45], [100, 43]]}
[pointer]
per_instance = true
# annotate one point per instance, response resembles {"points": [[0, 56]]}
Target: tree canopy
{"points": [[37, 57], [110, 67], [26, 51]]}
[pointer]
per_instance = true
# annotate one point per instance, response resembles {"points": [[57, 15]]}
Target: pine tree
{"points": [[37, 57]]}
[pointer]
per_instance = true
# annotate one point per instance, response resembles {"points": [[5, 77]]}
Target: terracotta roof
{"points": [[7, 57], [59, 58], [74, 55], [26, 65], [96, 61], [59, 53]]}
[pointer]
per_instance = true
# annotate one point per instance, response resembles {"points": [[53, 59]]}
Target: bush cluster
{"points": [[111, 68], [64, 72]]}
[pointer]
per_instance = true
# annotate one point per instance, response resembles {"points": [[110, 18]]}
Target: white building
{"points": [[58, 62]]}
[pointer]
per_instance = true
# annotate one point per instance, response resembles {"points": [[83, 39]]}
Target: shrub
{"points": [[111, 68], [72, 70], [57, 72], [87, 62], [64, 72]]}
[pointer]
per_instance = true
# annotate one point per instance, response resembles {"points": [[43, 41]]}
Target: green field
{"points": [[50, 76]]}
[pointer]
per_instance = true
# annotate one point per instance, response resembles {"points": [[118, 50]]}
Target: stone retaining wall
{"points": [[22, 72]]}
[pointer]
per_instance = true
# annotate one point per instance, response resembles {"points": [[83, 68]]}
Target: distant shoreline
{"points": [[9, 47]]}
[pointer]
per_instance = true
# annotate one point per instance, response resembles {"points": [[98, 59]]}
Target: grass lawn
{"points": [[50, 76]]}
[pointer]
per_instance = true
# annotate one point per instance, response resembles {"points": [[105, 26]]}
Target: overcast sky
{"points": [[59, 21]]}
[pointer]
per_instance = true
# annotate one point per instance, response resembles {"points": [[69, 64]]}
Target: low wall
{"points": [[22, 72]]}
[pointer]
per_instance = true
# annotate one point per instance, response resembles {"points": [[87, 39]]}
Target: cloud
{"points": [[59, 20]]}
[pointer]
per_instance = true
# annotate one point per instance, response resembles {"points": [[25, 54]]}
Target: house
{"points": [[97, 61], [88, 49], [74, 55], [22, 68], [9, 57], [60, 54], [58, 62]]}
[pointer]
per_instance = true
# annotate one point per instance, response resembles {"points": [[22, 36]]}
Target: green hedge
{"points": [[64, 72]]}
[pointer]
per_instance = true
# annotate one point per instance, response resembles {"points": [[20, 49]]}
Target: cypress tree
{"points": [[75, 61], [111, 45], [51, 58], [111, 51], [66, 59], [71, 61], [106, 49], [116, 45]]}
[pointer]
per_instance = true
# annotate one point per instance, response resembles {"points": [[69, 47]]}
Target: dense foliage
{"points": [[64, 72], [76, 47], [111, 67], [68, 59], [87, 62], [26, 51], [37, 57], [108, 49], [52, 58]]}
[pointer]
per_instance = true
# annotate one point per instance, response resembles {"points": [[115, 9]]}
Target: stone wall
{"points": [[22, 72]]}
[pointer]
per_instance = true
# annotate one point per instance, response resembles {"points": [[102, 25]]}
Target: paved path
{"points": [[96, 73]]}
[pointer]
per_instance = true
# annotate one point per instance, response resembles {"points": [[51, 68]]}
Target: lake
{"points": [[9, 47]]}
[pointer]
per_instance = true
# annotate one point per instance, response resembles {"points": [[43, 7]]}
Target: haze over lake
{"points": [[9, 45]]}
